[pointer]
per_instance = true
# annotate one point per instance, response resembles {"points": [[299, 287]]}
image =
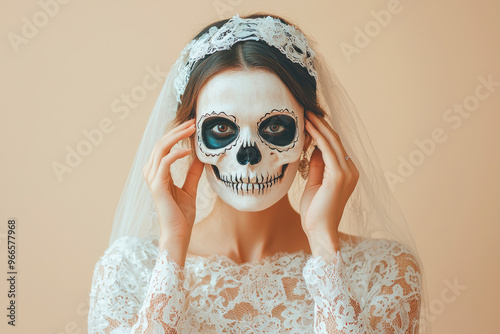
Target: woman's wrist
{"points": [[323, 243], [177, 248]]}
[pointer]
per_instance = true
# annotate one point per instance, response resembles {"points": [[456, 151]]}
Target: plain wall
{"points": [[65, 75]]}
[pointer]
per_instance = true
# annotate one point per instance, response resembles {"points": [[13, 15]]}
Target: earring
{"points": [[304, 166]]}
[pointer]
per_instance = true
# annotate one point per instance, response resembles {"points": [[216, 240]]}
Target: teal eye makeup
{"points": [[218, 132]]}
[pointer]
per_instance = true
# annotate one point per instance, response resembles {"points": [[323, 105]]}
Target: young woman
{"points": [[229, 222]]}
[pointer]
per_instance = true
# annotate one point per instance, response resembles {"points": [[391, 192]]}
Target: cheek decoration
{"points": [[278, 129]]}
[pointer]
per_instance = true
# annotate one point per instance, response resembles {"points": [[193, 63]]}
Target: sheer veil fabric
{"points": [[371, 211]]}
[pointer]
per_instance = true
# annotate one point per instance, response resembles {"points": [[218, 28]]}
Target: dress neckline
{"points": [[268, 259], [265, 260]]}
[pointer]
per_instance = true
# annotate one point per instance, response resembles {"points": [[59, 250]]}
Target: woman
{"points": [[224, 249]]}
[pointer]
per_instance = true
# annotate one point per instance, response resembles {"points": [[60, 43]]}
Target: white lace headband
{"points": [[286, 38]]}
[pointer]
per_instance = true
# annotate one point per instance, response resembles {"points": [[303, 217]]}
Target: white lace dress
{"points": [[369, 287]]}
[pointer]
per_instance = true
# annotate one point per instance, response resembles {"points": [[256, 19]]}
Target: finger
{"points": [[316, 169], [327, 152], [147, 167], [181, 126], [165, 145], [168, 160], [331, 136], [193, 176], [351, 172]]}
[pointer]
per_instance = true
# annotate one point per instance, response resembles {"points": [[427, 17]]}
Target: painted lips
{"points": [[250, 185]]}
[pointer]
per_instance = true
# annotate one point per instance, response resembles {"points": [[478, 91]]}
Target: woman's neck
{"points": [[250, 236]]}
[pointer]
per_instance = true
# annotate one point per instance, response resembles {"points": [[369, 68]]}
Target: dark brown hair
{"points": [[248, 55]]}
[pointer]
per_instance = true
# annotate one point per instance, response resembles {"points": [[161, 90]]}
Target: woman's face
{"points": [[250, 135]]}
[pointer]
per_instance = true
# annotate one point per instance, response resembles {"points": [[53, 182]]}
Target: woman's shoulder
{"points": [[129, 241], [387, 257], [376, 248], [131, 250], [124, 269]]}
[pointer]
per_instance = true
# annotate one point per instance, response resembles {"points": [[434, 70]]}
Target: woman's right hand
{"points": [[176, 206]]}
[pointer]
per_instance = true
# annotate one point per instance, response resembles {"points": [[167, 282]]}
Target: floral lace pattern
{"points": [[369, 287], [286, 38], [386, 301], [165, 300]]}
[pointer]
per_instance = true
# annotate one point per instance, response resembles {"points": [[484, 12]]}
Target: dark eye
{"points": [[220, 128], [218, 132], [274, 128], [278, 130]]}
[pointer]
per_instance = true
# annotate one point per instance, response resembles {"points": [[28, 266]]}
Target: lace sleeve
{"points": [[384, 296], [131, 293], [165, 299]]}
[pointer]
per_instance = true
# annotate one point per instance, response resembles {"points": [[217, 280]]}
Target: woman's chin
{"points": [[253, 197], [247, 203]]}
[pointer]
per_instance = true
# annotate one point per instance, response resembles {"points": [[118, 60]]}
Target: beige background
{"points": [[64, 78]]}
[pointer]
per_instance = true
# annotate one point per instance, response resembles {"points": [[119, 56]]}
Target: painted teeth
{"points": [[247, 187], [247, 180], [245, 184]]}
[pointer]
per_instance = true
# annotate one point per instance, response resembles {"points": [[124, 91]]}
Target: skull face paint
{"points": [[250, 136]]}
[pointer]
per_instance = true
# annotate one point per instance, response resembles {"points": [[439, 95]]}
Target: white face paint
{"points": [[250, 135]]}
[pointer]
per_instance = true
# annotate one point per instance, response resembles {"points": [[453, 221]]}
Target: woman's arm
{"points": [[124, 298], [391, 297], [389, 301], [165, 299]]}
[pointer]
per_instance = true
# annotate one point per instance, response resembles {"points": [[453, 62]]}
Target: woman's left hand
{"points": [[331, 181]]}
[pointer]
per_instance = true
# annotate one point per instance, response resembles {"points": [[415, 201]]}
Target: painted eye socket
{"points": [[278, 130], [218, 132], [274, 128]]}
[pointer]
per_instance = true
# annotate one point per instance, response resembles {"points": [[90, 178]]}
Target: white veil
{"points": [[371, 211]]}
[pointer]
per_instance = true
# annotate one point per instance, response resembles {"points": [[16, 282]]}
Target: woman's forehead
{"points": [[250, 94]]}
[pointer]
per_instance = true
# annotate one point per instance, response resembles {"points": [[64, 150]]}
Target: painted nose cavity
{"points": [[248, 154]]}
